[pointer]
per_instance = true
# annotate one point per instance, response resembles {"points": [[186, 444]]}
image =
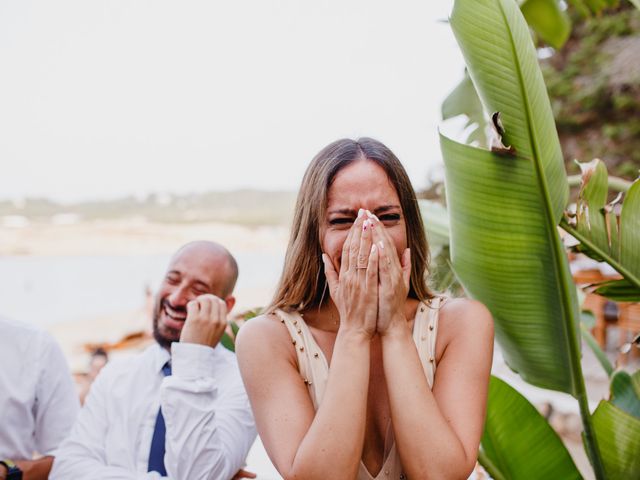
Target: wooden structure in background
{"points": [[628, 322]]}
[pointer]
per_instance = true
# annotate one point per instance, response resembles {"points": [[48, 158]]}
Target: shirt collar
{"points": [[161, 356]]}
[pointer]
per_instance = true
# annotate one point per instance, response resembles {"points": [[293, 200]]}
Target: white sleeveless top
{"points": [[314, 368]]}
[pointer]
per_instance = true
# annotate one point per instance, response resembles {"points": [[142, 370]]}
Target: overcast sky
{"points": [[100, 99]]}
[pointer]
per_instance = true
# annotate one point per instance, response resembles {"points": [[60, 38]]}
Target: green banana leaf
{"points": [[618, 435], [611, 236], [548, 19], [625, 392], [436, 223], [619, 291], [235, 328], [504, 208], [518, 442], [500, 249], [463, 100], [228, 342]]}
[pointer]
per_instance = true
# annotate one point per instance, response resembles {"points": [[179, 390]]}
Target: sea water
{"points": [[45, 290]]}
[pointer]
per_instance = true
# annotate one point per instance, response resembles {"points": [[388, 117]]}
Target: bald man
{"points": [[179, 409]]}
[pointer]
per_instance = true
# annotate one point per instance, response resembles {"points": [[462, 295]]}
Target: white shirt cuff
{"points": [[192, 360]]}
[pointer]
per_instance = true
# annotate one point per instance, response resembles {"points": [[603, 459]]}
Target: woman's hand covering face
{"points": [[373, 283], [394, 276], [354, 289]]}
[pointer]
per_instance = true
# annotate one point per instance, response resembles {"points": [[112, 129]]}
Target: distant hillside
{"points": [[243, 207]]}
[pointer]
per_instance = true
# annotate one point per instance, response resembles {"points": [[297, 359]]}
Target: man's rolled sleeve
{"points": [[209, 423]]}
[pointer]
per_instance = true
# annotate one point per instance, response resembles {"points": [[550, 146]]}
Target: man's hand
{"points": [[31, 469], [206, 321], [243, 474]]}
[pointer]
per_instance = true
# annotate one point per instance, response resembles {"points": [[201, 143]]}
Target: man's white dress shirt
{"points": [[38, 399], [208, 418]]}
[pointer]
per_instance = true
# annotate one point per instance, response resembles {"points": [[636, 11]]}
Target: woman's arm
{"points": [[304, 444], [301, 443], [438, 432]]}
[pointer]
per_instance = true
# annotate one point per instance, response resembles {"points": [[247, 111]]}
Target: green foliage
{"points": [[463, 100], [518, 441], [608, 231], [548, 19], [625, 392], [619, 438], [587, 7], [504, 209], [505, 206], [228, 340], [595, 92], [619, 291], [596, 106]]}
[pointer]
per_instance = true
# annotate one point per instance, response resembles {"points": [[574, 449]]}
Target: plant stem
{"points": [[590, 440], [488, 465], [597, 351], [615, 183], [608, 258], [580, 393]]}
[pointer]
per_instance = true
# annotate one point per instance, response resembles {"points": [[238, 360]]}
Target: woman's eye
{"points": [[390, 217], [340, 221]]}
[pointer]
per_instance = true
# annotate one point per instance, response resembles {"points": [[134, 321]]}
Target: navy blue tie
{"points": [[156, 454]]}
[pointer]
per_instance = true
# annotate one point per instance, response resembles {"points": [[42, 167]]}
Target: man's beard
{"points": [[164, 340]]}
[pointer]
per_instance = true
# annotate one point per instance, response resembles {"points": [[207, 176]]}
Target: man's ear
{"points": [[230, 301]]}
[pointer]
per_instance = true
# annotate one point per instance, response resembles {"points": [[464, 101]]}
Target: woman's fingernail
{"points": [[360, 212], [373, 248], [365, 225], [381, 245]]}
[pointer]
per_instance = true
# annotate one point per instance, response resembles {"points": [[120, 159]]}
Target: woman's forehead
{"points": [[361, 183]]}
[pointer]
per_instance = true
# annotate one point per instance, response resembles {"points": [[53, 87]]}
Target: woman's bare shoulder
{"points": [[462, 316], [263, 331]]}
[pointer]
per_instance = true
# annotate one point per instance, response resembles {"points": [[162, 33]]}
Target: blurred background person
{"points": [[178, 409], [38, 401]]}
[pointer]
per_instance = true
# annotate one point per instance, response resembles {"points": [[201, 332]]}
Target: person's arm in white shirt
{"points": [[204, 442], [54, 410], [83, 453], [57, 403]]}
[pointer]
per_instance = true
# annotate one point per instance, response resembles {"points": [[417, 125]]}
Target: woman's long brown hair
{"points": [[302, 284]]}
